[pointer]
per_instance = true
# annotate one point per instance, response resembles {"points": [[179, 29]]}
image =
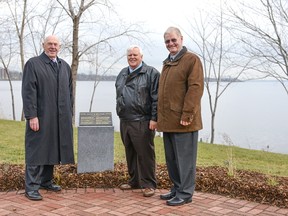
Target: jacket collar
{"points": [[142, 69], [47, 59], [178, 56]]}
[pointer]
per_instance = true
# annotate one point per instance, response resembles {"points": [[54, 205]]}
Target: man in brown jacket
{"points": [[180, 90]]}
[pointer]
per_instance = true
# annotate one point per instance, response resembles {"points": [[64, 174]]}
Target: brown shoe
{"points": [[148, 192], [125, 187]]}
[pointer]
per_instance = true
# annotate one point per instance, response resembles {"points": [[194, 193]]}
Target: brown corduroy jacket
{"points": [[181, 87]]}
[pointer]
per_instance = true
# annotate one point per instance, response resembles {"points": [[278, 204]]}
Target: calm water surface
{"points": [[251, 115]]}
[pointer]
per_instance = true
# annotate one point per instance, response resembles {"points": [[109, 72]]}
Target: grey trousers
{"points": [[36, 175], [138, 141], [181, 156]]}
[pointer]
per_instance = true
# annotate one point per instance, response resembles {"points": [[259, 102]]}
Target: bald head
{"points": [[51, 46]]}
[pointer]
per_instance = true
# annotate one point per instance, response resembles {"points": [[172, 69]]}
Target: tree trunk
{"points": [[75, 59], [12, 94], [212, 128]]}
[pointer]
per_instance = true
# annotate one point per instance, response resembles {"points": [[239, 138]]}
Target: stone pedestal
{"points": [[95, 146]]}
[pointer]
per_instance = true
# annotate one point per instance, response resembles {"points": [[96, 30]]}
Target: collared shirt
{"points": [[132, 70], [174, 56], [55, 63], [52, 59]]}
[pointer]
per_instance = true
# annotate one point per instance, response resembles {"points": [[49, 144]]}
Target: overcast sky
{"points": [[157, 16]]}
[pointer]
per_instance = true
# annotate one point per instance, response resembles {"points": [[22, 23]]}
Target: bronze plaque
{"points": [[95, 119]]}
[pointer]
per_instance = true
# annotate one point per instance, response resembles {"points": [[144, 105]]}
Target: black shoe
{"points": [[33, 195], [167, 196], [176, 201], [51, 187]]}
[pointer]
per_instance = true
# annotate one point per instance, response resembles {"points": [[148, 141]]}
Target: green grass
{"points": [[12, 152]]}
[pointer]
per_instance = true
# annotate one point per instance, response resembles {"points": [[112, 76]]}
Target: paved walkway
{"points": [[117, 202]]}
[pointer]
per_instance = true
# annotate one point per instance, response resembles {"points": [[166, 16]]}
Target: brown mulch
{"points": [[246, 185]]}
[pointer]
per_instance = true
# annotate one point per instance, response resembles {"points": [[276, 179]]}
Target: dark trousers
{"points": [[181, 156], [138, 141], [36, 175]]}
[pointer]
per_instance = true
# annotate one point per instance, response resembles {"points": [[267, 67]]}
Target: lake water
{"points": [[252, 115]]}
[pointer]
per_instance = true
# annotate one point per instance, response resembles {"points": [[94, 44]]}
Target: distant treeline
{"points": [[15, 75], [92, 77]]}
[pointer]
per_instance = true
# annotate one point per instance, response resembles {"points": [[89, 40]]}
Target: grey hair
{"points": [[135, 46], [173, 29]]}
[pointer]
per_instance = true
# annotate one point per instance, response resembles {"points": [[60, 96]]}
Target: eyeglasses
{"points": [[172, 40]]}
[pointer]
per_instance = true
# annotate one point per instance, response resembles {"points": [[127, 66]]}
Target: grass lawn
{"points": [[12, 152]]}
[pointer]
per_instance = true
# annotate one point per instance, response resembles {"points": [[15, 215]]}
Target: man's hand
{"points": [[34, 124], [152, 125], [185, 123]]}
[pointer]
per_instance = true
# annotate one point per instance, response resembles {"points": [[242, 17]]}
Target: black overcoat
{"points": [[47, 94]]}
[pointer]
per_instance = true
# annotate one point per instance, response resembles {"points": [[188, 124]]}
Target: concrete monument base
{"points": [[95, 149]]}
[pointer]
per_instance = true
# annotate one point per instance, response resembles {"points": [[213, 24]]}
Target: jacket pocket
{"points": [[176, 108], [120, 105], [143, 100]]}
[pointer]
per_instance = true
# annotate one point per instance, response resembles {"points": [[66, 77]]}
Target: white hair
{"points": [[135, 46]]}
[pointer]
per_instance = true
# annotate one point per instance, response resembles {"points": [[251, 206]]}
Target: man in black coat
{"points": [[136, 92], [47, 103]]}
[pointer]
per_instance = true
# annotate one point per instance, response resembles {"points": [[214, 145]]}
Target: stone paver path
{"points": [[108, 202]]}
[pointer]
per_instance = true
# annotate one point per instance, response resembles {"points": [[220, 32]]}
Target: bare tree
{"points": [[75, 10], [19, 24], [216, 48], [41, 24], [32, 22], [19, 27], [19, 16], [75, 13], [262, 27], [6, 55], [102, 62]]}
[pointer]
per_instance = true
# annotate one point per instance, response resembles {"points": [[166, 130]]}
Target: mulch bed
{"points": [[246, 185]]}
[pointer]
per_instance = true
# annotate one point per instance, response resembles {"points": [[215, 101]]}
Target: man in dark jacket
{"points": [[47, 102], [136, 105], [181, 88]]}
